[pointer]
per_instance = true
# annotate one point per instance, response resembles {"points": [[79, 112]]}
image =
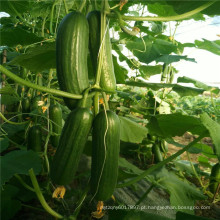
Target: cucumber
{"points": [[163, 146], [214, 178], [55, 114], [105, 155], [71, 55], [35, 138], [158, 157], [107, 80], [26, 103], [72, 142]]}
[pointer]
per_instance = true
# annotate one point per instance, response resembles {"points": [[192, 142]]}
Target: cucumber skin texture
{"points": [[55, 114], [34, 138], [158, 157], [107, 80], [104, 188], [26, 103], [214, 178], [71, 55], [72, 142]]}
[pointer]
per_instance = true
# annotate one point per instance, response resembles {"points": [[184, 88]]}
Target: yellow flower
{"points": [[59, 192], [101, 101], [122, 3], [99, 213], [44, 108]]}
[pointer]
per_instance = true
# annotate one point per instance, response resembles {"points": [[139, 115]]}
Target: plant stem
{"points": [[194, 171], [40, 195], [83, 2], [11, 122], [34, 208], [96, 103], [23, 183], [169, 18], [51, 17], [105, 100], [162, 163], [145, 194], [43, 26], [101, 49], [76, 212], [85, 96], [66, 8], [40, 88]]}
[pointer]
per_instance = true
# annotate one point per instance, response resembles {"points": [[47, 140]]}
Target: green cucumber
{"points": [[72, 141], [26, 103], [71, 55], [35, 138], [105, 154], [107, 80], [214, 178], [163, 146], [158, 157], [55, 114]]}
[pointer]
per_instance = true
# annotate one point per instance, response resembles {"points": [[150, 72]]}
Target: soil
{"points": [[186, 139], [206, 208]]}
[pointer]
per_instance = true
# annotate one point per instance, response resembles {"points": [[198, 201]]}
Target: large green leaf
{"points": [[213, 9], [4, 142], [181, 7], [172, 125], [211, 46], [214, 130], [129, 166], [19, 162], [173, 58], [14, 36], [120, 72], [148, 71], [149, 49], [196, 83], [38, 58], [15, 7], [9, 99], [161, 9], [181, 90], [132, 131], [42, 8], [182, 194], [9, 206]]}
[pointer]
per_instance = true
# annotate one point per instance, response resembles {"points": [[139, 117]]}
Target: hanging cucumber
{"points": [[72, 141], [107, 80], [214, 178], [26, 103], [71, 55], [34, 138], [158, 157], [163, 146], [55, 114], [105, 154]]}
